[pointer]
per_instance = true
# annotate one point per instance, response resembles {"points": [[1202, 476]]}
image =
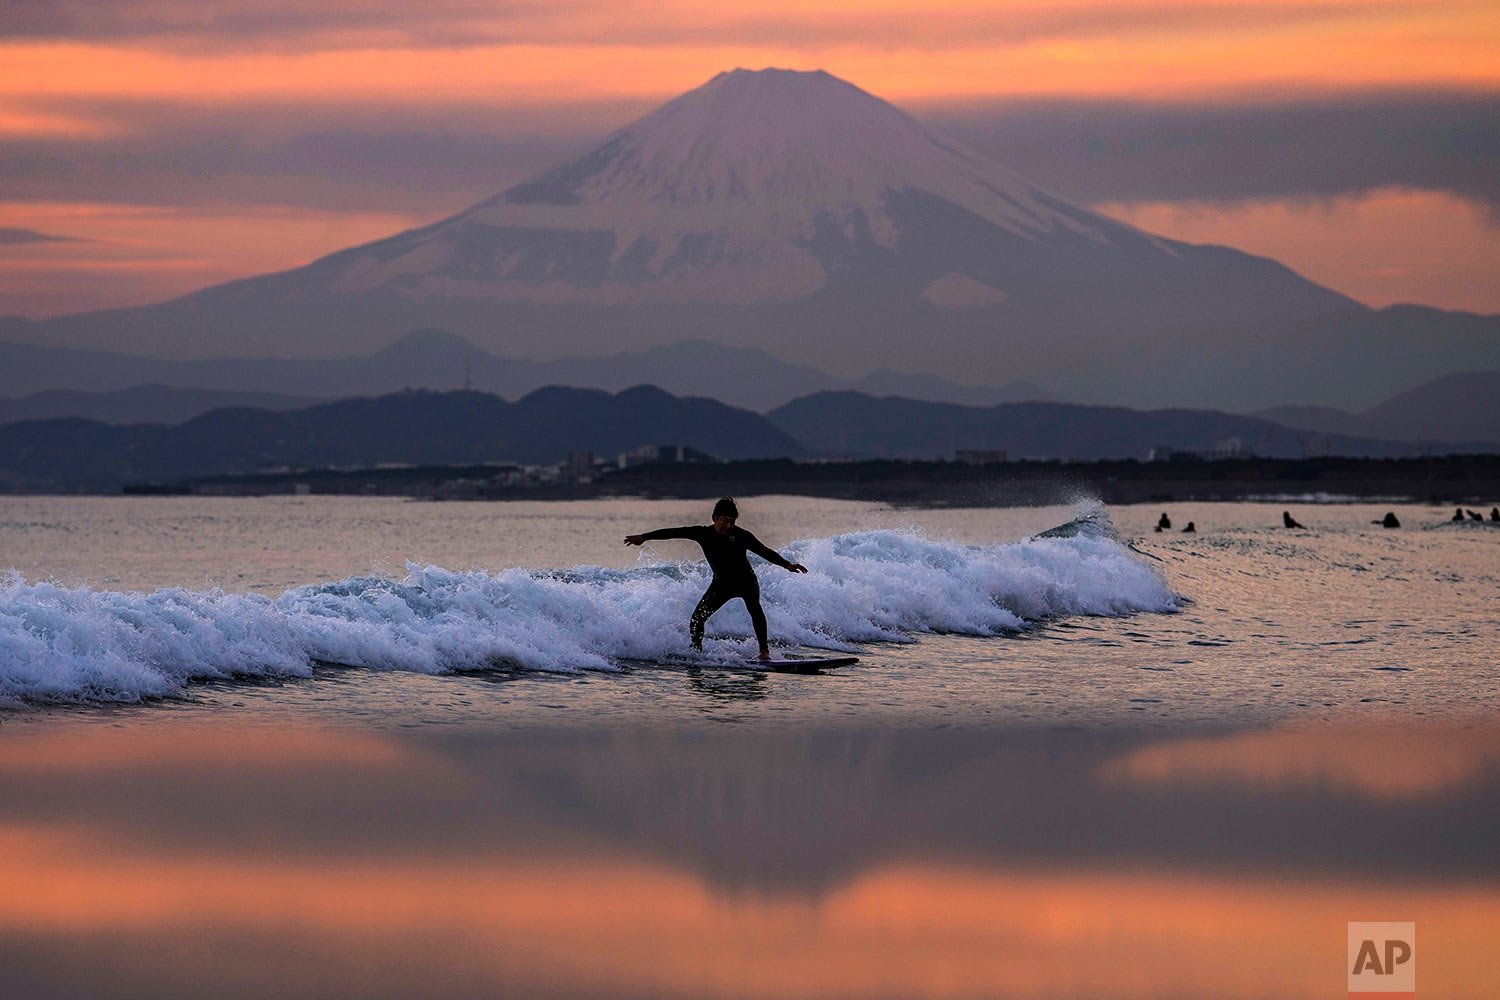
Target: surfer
{"points": [[725, 546], [1288, 521], [1164, 522]]}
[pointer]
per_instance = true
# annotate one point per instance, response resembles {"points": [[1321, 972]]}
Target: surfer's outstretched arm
{"points": [[686, 531], [770, 555]]}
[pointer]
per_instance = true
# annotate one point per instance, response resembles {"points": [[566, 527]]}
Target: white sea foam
{"points": [[74, 644]]}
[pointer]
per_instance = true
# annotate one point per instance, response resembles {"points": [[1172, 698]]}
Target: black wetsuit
{"points": [[733, 577]]}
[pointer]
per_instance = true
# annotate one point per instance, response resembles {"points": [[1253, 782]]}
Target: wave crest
{"points": [[63, 644]]}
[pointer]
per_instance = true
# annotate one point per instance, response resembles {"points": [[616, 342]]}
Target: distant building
{"points": [[979, 456], [647, 453], [664, 453], [526, 475], [580, 466], [1228, 448]]}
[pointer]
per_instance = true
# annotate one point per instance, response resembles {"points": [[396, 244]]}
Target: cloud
{"points": [[289, 24], [1317, 147], [384, 54], [12, 236], [441, 158], [429, 159], [237, 24]]}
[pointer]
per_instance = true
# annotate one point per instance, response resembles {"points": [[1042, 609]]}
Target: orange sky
{"points": [[80, 83], [903, 51]]}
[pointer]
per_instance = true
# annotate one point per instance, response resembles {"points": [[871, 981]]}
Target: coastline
{"points": [[1456, 479]]}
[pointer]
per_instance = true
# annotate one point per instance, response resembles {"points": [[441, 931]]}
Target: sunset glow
{"points": [[123, 255], [1387, 247], [899, 49], [75, 98]]}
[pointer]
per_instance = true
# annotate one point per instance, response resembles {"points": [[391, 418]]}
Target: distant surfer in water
{"points": [[725, 547]]}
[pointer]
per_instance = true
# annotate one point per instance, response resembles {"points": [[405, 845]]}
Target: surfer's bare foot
{"points": [[765, 654]]}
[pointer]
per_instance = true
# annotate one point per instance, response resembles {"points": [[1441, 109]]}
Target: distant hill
{"points": [[884, 382], [142, 404], [1462, 407], [435, 359], [424, 427], [856, 425], [1316, 419], [409, 427]]}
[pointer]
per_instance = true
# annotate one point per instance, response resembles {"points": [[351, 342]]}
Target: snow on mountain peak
{"points": [[718, 195], [790, 145]]}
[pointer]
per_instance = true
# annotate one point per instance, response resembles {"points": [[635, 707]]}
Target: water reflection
{"points": [[1383, 765], [728, 686], [154, 859]]}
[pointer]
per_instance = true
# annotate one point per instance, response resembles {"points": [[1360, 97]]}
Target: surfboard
{"points": [[779, 665], [810, 665]]}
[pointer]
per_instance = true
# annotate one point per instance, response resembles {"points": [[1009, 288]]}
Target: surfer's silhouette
{"points": [[1191, 529], [725, 546], [1458, 515], [1474, 515], [1389, 521], [1164, 522], [1495, 513], [1288, 521]]}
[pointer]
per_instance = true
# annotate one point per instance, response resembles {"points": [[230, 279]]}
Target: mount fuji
{"points": [[795, 213]]}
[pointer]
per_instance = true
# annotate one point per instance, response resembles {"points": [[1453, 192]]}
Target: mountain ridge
{"points": [[1463, 405], [461, 428], [456, 427], [853, 425], [140, 404], [437, 359]]}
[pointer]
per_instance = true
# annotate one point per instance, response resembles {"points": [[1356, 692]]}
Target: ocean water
{"points": [[447, 613], [313, 747]]}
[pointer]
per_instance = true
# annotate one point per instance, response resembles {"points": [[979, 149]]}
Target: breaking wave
{"points": [[63, 644]]}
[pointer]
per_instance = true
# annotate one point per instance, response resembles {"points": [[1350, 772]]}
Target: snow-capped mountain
{"points": [[795, 213], [754, 187]]}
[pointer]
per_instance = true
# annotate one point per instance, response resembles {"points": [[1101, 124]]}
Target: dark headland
{"points": [[1445, 479]]}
